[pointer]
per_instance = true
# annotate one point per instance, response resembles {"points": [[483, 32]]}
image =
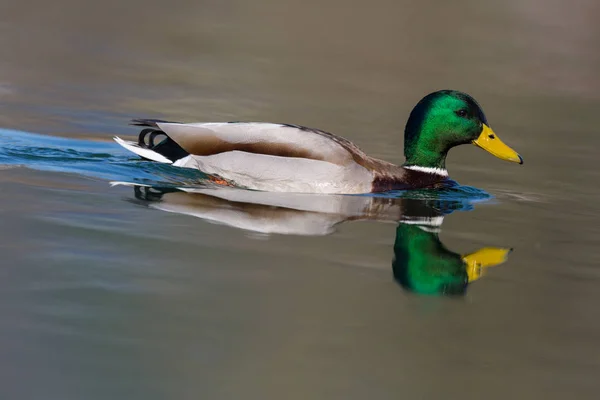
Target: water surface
{"points": [[116, 292]]}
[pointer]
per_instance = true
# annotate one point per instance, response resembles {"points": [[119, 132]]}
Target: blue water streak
{"points": [[103, 160]]}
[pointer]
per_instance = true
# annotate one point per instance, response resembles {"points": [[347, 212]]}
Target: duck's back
{"points": [[263, 156], [281, 140]]}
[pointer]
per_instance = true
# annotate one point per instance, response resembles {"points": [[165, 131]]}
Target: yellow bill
{"points": [[488, 141], [484, 258]]}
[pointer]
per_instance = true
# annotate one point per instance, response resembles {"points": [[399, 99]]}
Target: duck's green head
{"points": [[448, 118]]}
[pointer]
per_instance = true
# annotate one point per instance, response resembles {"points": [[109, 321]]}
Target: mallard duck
{"points": [[292, 158]]}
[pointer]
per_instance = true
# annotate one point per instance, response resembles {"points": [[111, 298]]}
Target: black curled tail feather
{"points": [[164, 146]]}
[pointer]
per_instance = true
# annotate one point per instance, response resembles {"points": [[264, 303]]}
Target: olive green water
{"points": [[103, 297]]}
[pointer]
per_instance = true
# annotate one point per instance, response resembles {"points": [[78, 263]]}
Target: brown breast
{"points": [[393, 177]]}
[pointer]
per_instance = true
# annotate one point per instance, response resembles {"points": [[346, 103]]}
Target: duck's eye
{"points": [[462, 113]]}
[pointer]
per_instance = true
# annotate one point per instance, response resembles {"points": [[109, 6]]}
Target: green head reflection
{"points": [[422, 264]]}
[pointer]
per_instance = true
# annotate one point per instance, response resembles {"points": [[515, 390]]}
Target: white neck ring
{"points": [[428, 170]]}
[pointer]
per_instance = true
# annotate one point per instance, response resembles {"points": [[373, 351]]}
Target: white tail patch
{"points": [[146, 153]]}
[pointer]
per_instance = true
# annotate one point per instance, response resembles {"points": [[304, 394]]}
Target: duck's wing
{"points": [[261, 156], [281, 140]]}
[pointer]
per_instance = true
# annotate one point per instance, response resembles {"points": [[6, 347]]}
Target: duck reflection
{"points": [[421, 263], [424, 265]]}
